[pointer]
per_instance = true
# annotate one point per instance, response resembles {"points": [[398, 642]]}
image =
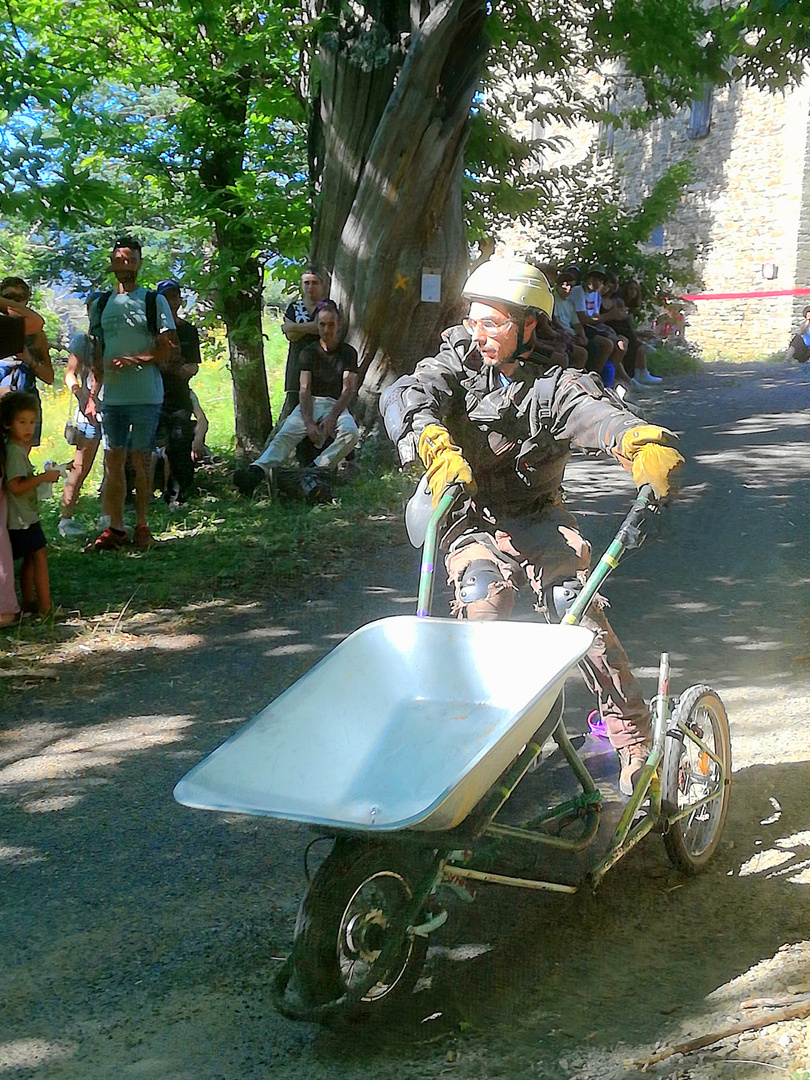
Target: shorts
{"points": [[130, 427], [81, 430], [27, 541]]}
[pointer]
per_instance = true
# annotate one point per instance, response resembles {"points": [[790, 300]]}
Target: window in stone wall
{"points": [[700, 118], [657, 236]]}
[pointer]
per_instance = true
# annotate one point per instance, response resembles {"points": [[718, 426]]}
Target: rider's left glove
{"points": [[653, 458], [444, 462]]}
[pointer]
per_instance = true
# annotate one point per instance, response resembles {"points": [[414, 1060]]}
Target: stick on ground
{"points": [[795, 1012]]}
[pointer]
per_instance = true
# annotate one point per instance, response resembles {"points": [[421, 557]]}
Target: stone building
{"points": [[746, 214], [745, 218]]}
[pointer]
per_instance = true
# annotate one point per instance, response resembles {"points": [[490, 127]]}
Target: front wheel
{"points": [[690, 775], [357, 903]]}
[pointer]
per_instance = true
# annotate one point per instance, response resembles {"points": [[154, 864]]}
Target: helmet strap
{"points": [[521, 345]]}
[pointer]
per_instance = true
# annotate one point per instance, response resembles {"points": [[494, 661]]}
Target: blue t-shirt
{"points": [[126, 334]]}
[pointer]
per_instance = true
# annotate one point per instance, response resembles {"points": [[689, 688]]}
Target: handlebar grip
{"points": [[630, 532]]}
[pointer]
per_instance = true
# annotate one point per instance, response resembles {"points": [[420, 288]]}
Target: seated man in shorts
{"points": [[799, 348]]}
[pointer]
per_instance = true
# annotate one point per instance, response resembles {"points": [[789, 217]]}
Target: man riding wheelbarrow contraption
{"points": [[430, 750]]}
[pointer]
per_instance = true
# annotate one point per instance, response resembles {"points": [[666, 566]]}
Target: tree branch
{"points": [[796, 1012]]}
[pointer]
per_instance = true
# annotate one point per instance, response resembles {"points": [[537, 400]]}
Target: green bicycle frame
{"points": [[635, 822]]}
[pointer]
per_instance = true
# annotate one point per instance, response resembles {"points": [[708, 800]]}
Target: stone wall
{"points": [[744, 220], [746, 211]]}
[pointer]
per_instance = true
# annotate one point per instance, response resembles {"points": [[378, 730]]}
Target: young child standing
{"points": [[19, 413], [9, 608]]}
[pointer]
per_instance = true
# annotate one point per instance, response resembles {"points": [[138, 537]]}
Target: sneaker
{"points": [[633, 759], [597, 725], [143, 538], [247, 478], [644, 378], [109, 540], [68, 528]]}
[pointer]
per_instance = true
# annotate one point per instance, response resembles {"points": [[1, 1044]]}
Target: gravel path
{"points": [[139, 936]]}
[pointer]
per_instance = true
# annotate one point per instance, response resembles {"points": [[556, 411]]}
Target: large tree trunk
{"points": [[390, 199], [241, 308], [238, 277]]}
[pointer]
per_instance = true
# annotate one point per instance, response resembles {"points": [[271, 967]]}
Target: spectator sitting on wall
{"points": [[614, 312], [551, 331], [300, 329], [799, 348], [549, 342], [327, 385], [21, 371], [598, 329], [176, 427], [569, 301]]}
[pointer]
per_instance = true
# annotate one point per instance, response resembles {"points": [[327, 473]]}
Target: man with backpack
{"points": [[130, 329]]}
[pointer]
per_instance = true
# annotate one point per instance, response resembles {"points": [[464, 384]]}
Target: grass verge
{"points": [[218, 547], [666, 361]]}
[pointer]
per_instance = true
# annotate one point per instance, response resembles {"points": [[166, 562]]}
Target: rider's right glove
{"points": [[444, 462], [653, 458]]}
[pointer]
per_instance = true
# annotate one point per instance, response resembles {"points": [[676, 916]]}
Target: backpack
{"points": [[97, 310]]}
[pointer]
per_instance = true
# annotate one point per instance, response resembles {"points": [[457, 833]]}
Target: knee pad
{"points": [[558, 599], [476, 580], [483, 592]]}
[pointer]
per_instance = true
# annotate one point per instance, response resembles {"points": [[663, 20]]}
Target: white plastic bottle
{"points": [[45, 491]]}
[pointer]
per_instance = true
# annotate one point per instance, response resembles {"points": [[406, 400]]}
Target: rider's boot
{"points": [[621, 699], [633, 759]]}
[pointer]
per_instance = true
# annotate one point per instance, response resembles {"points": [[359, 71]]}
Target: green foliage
{"points": [[591, 224], [667, 361], [669, 49], [182, 124], [186, 122], [220, 546]]}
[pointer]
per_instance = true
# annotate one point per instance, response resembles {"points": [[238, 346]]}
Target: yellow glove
{"points": [[653, 458], [443, 460]]}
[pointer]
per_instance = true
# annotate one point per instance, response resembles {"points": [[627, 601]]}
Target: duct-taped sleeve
{"points": [[582, 411], [428, 396]]}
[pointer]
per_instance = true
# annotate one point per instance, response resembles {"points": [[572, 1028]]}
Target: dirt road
{"points": [[139, 937]]}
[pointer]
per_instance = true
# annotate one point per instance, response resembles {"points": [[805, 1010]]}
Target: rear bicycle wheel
{"points": [[690, 775], [354, 905]]}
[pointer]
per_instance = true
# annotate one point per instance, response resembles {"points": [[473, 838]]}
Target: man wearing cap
{"points": [[176, 428], [482, 413], [571, 312]]}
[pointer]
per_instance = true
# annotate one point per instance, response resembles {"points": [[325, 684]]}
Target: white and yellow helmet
{"points": [[511, 282]]}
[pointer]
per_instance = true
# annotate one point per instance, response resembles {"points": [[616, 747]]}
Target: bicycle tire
{"points": [[692, 841], [355, 895]]}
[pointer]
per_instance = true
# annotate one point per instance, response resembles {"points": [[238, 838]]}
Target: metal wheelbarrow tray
{"points": [[405, 724]]}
